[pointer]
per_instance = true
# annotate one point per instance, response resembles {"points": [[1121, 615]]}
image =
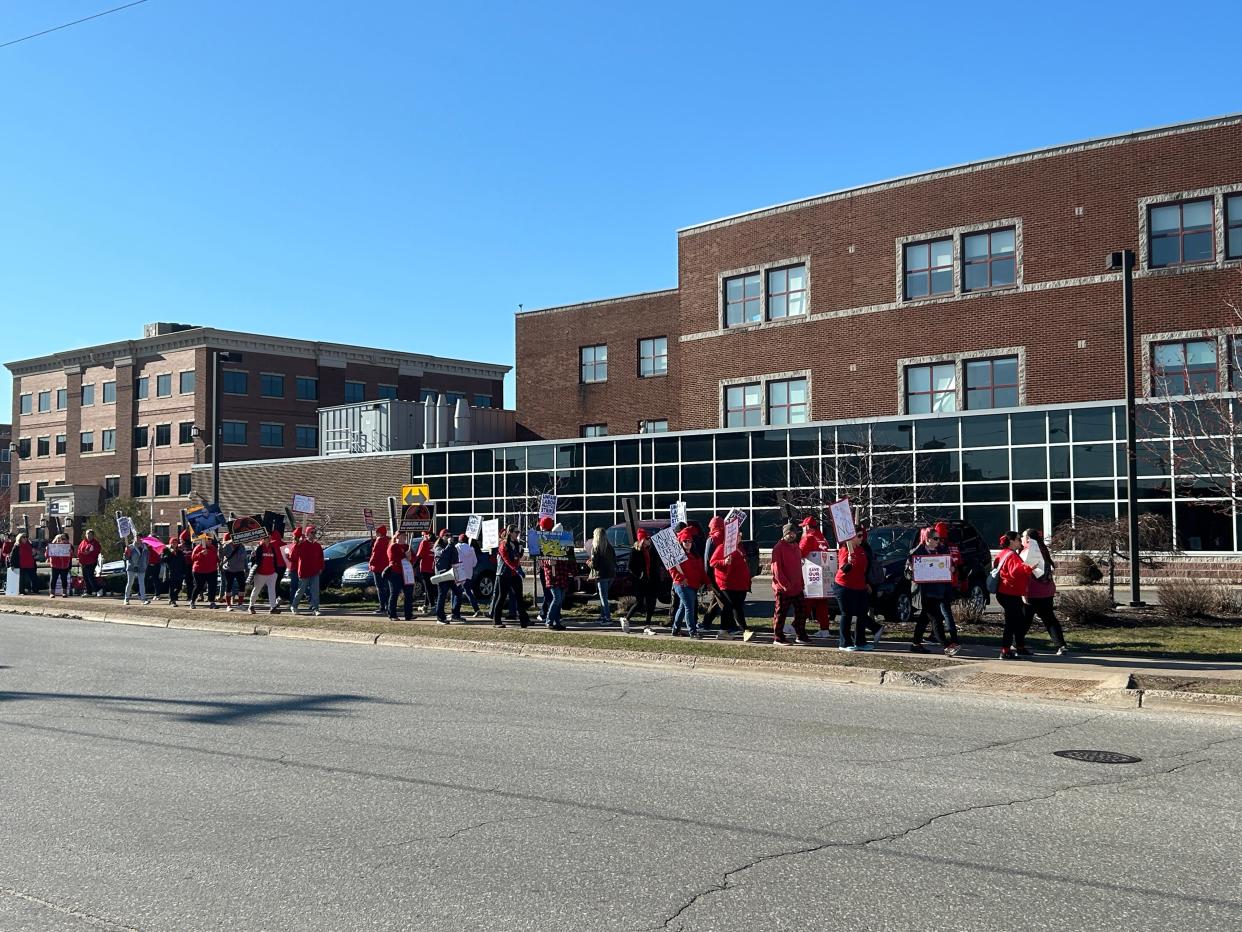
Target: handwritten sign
{"points": [[547, 505], [732, 529], [677, 514], [124, 526], [553, 545], [812, 580], [736, 514], [368, 519], [933, 569], [669, 548], [304, 504], [843, 520], [473, 526], [491, 534], [59, 550], [407, 571]]}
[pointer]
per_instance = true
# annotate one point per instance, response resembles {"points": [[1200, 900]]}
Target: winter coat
{"points": [[1042, 585], [938, 590], [379, 553], [204, 559], [396, 553], [307, 558], [468, 559], [786, 568], [88, 552], [234, 556], [603, 561], [851, 569], [425, 557], [1015, 576], [137, 557], [731, 575], [446, 557]]}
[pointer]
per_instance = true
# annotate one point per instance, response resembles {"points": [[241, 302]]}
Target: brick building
{"points": [[133, 417], [6, 473]]}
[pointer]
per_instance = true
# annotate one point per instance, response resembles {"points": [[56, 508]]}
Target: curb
{"points": [[1169, 701]]}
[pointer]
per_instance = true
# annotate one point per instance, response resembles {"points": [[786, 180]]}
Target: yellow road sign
{"points": [[415, 494]]}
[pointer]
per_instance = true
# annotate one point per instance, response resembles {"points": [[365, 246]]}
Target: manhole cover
{"points": [[1099, 757]]}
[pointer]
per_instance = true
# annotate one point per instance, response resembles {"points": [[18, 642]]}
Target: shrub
{"points": [[1089, 607], [1086, 572], [1184, 599]]}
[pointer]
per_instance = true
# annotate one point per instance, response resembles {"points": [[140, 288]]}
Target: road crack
{"points": [[75, 911]]}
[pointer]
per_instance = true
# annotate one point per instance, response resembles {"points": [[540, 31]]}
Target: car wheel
{"points": [[901, 608], [485, 586], [977, 600]]}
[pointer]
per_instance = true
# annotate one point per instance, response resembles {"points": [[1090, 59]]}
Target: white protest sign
{"points": [[473, 526], [547, 505], [933, 569], [843, 520], [124, 526], [677, 513], [491, 534], [812, 580], [669, 548], [407, 572], [732, 528], [304, 504], [736, 514], [59, 550]]}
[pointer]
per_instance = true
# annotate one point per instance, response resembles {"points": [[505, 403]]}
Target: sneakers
{"points": [[747, 634], [251, 609], [866, 645], [125, 601], [848, 647], [780, 642], [294, 610], [625, 626], [228, 608], [1007, 654], [442, 621], [539, 618], [1023, 651], [146, 601], [875, 638], [803, 642], [1062, 650], [918, 649], [696, 635], [953, 648], [274, 610], [318, 613], [823, 634]]}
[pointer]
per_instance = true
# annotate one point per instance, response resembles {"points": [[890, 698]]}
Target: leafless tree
{"points": [[874, 482], [1108, 540]]}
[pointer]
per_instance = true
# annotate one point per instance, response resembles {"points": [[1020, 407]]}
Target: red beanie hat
{"points": [[809, 521], [297, 532], [942, 530], [546, 523], [686, 534], [641, 534]]}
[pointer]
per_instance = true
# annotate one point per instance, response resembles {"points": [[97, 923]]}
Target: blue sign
{"points": [[204, 518], [551, 544]]}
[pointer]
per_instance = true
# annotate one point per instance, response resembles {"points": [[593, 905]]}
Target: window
{"points": [[23, 448], [355, 392], [163, 435], [4, 454], [1235, 363], [40, 491], [185, 483], [186, 382], [138, 486], [26, 400], [86, 441], [594, 430], [306, 437], [142, 388], [743, 405], [185, 432], [990, 260], [787, 402], [931, 388], [140, 437], [62, 399], [163, 484], [271, 435], [1233, 227], [43, 446], [1184, 367], [653, 427], [235, 382], [1181, 234], [742, 300], [23, 491], [163, 385], [594, 360], [88, 395], [109, 393], [5, 480], [62, 442], [453, 397], [112, 486], [387, 392], [992, 383], [482, 401], [45, 402], [787, 292], [428, 396], [107, 441], [652, 357], [272, 385], [929, 269], [234, 432], [307, 388]]}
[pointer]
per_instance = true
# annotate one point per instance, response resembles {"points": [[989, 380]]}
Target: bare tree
{"points": [[1108, 540], [875, 483]]}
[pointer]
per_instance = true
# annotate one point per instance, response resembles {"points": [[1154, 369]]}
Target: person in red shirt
{"points": [[1015, 577], [425, 563], [787, 587], [89, 550], [814, 547], [850, 586], [26, 565], [688, 577], [557, 580], [377, 564], [204, 564], [731, 574], [394, 576], [60, 568], [278, 553], [305, 566], [263, 560]]}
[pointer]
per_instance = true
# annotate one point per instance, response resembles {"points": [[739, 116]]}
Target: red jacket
{"points": [[267, 562], [61, 563], [851, 568], [307, 558], [690, 572], [786, 568], [25, 556], [278, 551], [396, 553], [426, 556], [204, 559], [379, 553], [88, 552], [1015, 575], [731, 574]]}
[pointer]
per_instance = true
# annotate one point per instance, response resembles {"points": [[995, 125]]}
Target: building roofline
{"points": [[1097, 142], [597, 302]]}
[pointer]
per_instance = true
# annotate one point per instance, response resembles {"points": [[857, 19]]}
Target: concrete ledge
{"points": [[322, 634], [1169, 701], [206, 624], [1114, 698]]}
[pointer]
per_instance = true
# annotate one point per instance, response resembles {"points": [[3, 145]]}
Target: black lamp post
{"points": [[217, 425], [1123, 262]]}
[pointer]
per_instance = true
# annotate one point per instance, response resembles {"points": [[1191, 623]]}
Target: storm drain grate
{"points": [[1098, 757]]}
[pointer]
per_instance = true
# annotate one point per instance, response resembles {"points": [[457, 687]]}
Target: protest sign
{"points": [[60, 550], [843, 520], [677, 513], [407, 572], [552, 545], [460, 573], [204, 518], [304, 504], [368, 519], [491, 534], [547, 505], [473, 527], [738, 514], [273, 522], [124, 526], [812, 580], [247, 529], [417, 518], [933, 568], [732, 528], [669, 548]]}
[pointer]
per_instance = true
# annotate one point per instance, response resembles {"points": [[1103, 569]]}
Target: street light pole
{"points": [[151, 487], [217, 425], [1124, 262]]}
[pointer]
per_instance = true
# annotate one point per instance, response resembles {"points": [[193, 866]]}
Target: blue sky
{"points": [[405, 174]]}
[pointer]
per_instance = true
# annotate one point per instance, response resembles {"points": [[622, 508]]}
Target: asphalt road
{"points": [[156, 779]]}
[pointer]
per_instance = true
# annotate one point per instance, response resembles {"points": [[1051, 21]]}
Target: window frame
{"points": [[769, 294], [297, 436], [62, 395], [224, 433], [185, 436], [111, 487], [181, 389], [993, 386], [226, 374], [1186, 373], [362, 392], [263, 377], [86, 441], [142, 387], [146, 436], [109, 388], [61, 444], [43, 446], [163, 385], [654, 357], [725, 304], [642, 425], [185, 483], [264, 427], [991, 259], [906, 271], [1180, 203], [932, 391], [788, 405], [167, 430], [83, 403], [759, 407], [1232, 226], [167, 477], [594, 363], [297, 387], [23, 492], [481, 401], [133, 485], [43, 402], [593, 430], [25, 403], [107, 434], [382, 388]]}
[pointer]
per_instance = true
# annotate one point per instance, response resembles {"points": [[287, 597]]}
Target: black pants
{"points": [[644, 601], [508, 585], [175, 579], [63, 576], [938, 611], [204, 583], [733, 616], [1043, 608], [428, 588], [153, 581], [88, 577], [720, 603], [853, 606], [1014, 619]]}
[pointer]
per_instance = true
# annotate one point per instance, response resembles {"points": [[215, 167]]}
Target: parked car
{"points": [[359, 575]]}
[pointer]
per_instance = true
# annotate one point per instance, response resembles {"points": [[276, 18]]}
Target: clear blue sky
{"points": [[405, 174]]}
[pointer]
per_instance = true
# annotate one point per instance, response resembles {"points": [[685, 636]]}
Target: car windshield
{"points": [[889, 542], [619, 537], [340, 549]]}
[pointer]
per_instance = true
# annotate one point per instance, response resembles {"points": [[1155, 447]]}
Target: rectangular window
{"points": [[742, 300], [112, 486], [743, 405], [40, 490], [428, 395], [140, 437], [163, 484], [388, 392], [1181, 234], [989, 260], [453, 397], [234, 432], [992, 383], [307, 388], [272, 385], [142, 388], [45, 402], [5, 480], [271, 435], [482, 401], [163, 435], [355, 392], [138, 486], [1233, 227], [109, 393], [185, 432], [1184, 367], [62, 443], [185, 483], [23, 491], [235, 382], [931, 388], [62, 399], [594, 430], [23, 448], [787, 292], [1235, 363], [86, 441], [43, 446], [653, 426], [929, 269], [594, 363], [163, 385], [787, 402], [88, 395], [306, 437], [4, 454], [186, 380], [26, 402], [652, 357], [107, 441]]}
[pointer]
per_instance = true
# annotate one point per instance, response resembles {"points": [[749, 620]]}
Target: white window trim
{"points": [[959, 361], [279, 375], [653, 420], [1221, 335], [762, 381], [762, 269], [1218, 194]]}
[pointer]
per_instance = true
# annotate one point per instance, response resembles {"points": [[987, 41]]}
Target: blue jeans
{"points": [[445, 590], [309, 586], [605, 613], [130, 576], [552, 614], [853, 606], [381, 589], [687, 608], [467, 589]]}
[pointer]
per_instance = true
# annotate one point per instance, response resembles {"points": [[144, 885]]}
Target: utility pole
{"points": [[1123, 261]]}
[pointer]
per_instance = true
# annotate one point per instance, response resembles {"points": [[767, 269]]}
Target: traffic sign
{"points": [[415, 494]]}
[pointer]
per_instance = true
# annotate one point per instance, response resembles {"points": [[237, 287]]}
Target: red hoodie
{"points": [[1015, 575], [851, 568], [25, 556], [88, 552], [278, 551], [61, 563], [204, 559], [786, 568], [396, 553], [426, 556], [307, 558], [730, 574], [379, 551]]}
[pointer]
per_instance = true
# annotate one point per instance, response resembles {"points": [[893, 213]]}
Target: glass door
{"points": [[1033, 515]]}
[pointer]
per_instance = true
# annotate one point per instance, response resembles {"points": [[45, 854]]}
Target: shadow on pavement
{"points": [[212, 712]]}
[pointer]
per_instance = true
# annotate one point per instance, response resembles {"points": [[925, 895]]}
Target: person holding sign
{"points": [[205, 564], [263, 559], [930, 568], [467, 561], [731, 574], [378, 564], [557, 581], [424, 561], [814, 548], [645, 571], [509, 578], [89, 550], [305, 565], [136, 557], [850, 586], [787, 587], [394, 577], [60, 558], [688, 577], [445, 559]]}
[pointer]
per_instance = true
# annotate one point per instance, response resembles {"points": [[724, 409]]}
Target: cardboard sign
{"points": [[933, 569], [417, 518], [407, 571], [736, 514], [460, 573], [827, 559], [812, 580], [547, 505], [368, 519], [247, 529], [304, 504], [473, 526], [124, 526], [669, 548], [551, 545], [60, 550], [204, 518], [843, 520], [732, 532], [491, 534], [677, 514]]}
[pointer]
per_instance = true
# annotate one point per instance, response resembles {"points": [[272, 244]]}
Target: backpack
{"points": [[993, 580]]}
